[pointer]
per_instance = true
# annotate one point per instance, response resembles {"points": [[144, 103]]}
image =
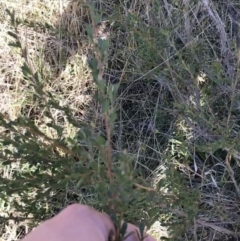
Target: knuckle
{"points": [[76, 208]]}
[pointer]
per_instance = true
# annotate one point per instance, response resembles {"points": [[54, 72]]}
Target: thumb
{"points": [[133, 234]]}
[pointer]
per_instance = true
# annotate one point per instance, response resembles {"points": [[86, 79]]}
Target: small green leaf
{"points": [[94, 15], [26, 70], [47, 26], [8, 12], [17, 44], [101, 85], [115, 88], [79, 183], [89, 30], [93, 65], [59, 129], [165, 32], [14, 35], [99, 141], [113, 117], [7, 162], [113, 217], [106, 106], [141, 229], [7, 142], [103, 45], [37, 77], [12, 16], [123, 229]]}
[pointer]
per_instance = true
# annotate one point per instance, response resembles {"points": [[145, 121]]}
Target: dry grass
{"points": [[177, 62]]}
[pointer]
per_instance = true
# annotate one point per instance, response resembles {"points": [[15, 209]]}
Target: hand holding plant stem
{"points": [[79, 223]]}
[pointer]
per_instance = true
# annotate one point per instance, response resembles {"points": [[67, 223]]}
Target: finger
{"points": [[133, 234], [87, 218]]}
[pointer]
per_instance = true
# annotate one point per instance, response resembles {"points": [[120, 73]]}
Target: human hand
{"points": [[79, 223]]}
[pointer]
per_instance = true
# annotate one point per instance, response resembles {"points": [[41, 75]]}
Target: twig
{"points": [[109, 148], [231, 173], [217, 228], [150, 189]]}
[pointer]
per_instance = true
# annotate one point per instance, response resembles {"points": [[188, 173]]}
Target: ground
{"points": [[177, 63]]}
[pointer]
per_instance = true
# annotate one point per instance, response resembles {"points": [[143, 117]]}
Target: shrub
{"points": [[130, 106], [45, 160]]}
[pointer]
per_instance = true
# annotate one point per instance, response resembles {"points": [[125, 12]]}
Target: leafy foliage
{"points": [[88, 160], [131, 107]]}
